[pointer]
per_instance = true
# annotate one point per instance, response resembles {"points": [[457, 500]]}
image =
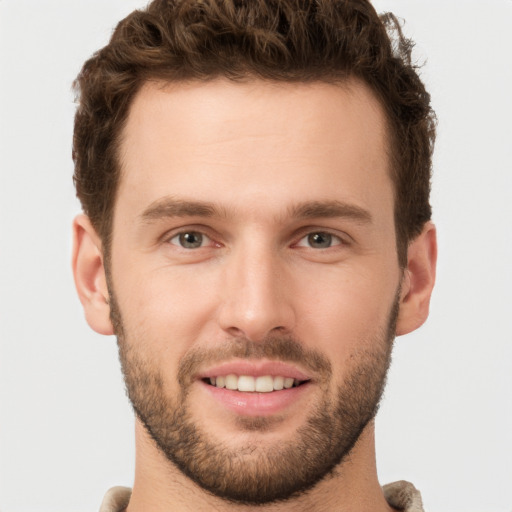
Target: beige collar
{"points": [[401, 495]]}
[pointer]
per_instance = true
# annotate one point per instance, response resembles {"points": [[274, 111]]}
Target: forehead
{"points": [[254, 143]]}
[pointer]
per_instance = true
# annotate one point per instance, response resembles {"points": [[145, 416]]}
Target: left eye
{"points": [[319, 240], [190, 240]]}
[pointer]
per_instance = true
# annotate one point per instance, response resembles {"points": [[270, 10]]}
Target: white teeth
{"points": [[249, 384], [288, 383], [246, 383], [278, 383], [264, 384], [231, 382]]}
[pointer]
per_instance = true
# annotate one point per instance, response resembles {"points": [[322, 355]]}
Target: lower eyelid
{"points": [[206, 240], [336, 240]]}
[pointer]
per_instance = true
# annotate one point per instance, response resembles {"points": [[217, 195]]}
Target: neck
{"points": [[159, 486]]}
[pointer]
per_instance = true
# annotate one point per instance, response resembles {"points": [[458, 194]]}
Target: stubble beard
{"points": [[252, 473]]}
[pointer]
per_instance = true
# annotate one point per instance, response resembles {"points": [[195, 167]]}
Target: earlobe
{"points": [[89, 274], [418, 281]]}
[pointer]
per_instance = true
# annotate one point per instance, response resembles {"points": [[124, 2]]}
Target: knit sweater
{"points": [[400, 495]]}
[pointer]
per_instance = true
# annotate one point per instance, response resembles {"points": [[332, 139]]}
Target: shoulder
{"points": [[116, 499], [403, 496]]}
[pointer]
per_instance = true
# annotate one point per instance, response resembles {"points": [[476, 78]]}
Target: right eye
{"points": [[190, 240]]}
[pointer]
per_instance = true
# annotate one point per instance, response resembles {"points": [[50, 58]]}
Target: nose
{"points": [[257, 294]]}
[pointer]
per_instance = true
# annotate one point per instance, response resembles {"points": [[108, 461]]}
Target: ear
{"points": [[418, 281], [89, 274]]}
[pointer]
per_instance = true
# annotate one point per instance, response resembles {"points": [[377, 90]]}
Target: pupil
{"points": [[320, 240], [191, 240]]}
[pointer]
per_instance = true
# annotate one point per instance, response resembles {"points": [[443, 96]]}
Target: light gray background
{"points": [[446, 421]]}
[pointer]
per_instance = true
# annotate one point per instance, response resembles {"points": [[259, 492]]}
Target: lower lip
{"points": [[256, 404]]}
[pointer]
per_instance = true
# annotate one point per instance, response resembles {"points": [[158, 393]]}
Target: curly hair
{"points": [[274, 40]]}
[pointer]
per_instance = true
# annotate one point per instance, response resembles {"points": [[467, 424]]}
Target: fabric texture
{"points": [[116, 499], [401, 495]]}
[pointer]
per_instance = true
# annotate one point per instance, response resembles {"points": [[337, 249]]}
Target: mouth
{"points": [[254, 384], [256, 388]]}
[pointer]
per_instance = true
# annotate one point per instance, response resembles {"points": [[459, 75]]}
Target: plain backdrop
{"points": [[66, 428]]}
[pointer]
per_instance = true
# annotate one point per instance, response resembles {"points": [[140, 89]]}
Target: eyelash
{"points": [[184, 233], [332, 239]]}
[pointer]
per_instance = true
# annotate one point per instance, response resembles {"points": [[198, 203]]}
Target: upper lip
{"points": [[255, 369]]}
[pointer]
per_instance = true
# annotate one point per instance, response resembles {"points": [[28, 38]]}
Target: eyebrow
{"points": [[330, 209], [169, 207]]}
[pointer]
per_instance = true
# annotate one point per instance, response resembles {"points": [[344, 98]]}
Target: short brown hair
{"points": [[276, 40]]}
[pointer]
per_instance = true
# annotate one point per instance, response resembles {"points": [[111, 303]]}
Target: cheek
{"points": [[346, 311], [167, 306]]}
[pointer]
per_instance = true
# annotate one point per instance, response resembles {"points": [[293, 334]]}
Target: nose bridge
{"points": [[256, 300]]}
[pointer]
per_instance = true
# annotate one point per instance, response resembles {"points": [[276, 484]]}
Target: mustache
{"points": [[274, 347]]}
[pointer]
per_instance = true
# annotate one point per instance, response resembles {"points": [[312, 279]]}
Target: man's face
{"points": [[254, 248]]}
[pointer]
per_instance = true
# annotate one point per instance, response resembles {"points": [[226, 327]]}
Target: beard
{"points": [[258, 473]]}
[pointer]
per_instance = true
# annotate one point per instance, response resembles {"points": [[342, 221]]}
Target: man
{"points": [[255, 181]]}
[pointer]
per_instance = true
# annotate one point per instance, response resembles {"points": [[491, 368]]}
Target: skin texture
{"points": [[255, 168]]}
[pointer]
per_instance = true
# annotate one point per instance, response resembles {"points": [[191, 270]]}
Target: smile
{"points": [[252, 384], [256, 387]]}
